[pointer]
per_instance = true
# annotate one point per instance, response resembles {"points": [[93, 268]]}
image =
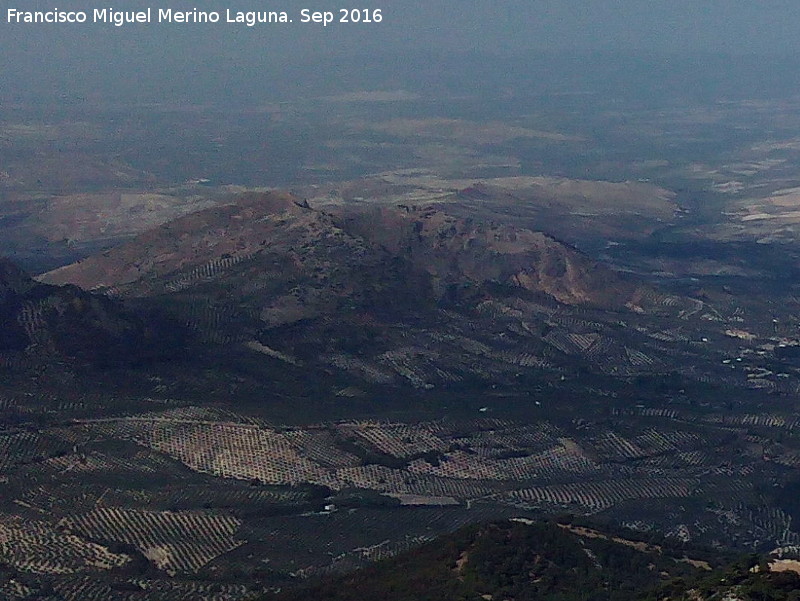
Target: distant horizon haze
{"points": [[200, 62]]}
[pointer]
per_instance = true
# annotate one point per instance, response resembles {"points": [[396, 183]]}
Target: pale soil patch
{"points": [[785, 565], [461, 562], [741, 334], [254, 345], [759, 217], [409, 499], [703, 565]]}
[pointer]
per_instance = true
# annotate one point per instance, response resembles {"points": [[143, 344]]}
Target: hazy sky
{"points": [[42, 56]]}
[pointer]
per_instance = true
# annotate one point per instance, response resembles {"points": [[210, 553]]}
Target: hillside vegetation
{"points": [[536, 561]]}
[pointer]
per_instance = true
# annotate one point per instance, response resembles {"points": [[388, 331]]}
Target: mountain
{"points": [[447, 250], [388, 295]]}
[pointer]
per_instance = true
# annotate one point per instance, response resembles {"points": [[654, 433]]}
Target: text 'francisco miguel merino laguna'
{"points": [[161, 15]]}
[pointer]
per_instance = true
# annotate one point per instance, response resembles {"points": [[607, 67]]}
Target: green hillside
{"points": [[518, 561]]}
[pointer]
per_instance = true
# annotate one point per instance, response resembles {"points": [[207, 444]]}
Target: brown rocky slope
{"points": [[390, 294]]}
